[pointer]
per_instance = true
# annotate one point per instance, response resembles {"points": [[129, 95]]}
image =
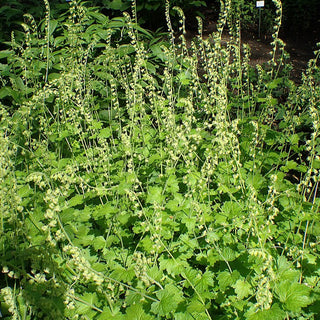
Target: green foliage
{"points": [[151, 179]]}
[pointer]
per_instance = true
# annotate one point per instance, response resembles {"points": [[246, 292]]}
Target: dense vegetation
{"points": [[300, 18], [144, 177]]}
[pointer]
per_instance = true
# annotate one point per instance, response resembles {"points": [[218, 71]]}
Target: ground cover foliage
{"points": [[151, 179]]}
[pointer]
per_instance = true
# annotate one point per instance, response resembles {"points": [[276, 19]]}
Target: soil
{"points": [[300, 48]]}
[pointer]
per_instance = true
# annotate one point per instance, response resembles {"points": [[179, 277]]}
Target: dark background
{"points": [[300, 21]]}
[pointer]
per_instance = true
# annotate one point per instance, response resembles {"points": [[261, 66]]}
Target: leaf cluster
{"points": [[144, 178]]}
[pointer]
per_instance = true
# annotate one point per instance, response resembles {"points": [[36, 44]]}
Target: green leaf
{"points": [[107, 114], [196, 306], [226, 279], [125, 50], [172, 184], [117, 22], [63, 163], [294, 139], [107, 314], [205, 284], [6, 53], [136, 312], [84, 239], [152, 68], [290, 165], [188, 243], [173, 267], [52, 26], [274, 84], [86, 303], [103, 76], [25, 191], [294, 295], [64, 134], [188, 316], [99, 243], [242, 289], [155, 195], [143, 31], [118, 5], [185, 316], [5, 92], [105, 210], [159, 52], [229, 254], [122, 274], [54, 76], [310, 258], [231, 209], [274, 313], [169, 298], [285, 270], [175, 205], [76, 200], [155, 273], [101, 18], [104, 133], [184, 78]]}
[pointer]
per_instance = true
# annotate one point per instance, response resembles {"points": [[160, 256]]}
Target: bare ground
{"points": [[300, 50]]}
